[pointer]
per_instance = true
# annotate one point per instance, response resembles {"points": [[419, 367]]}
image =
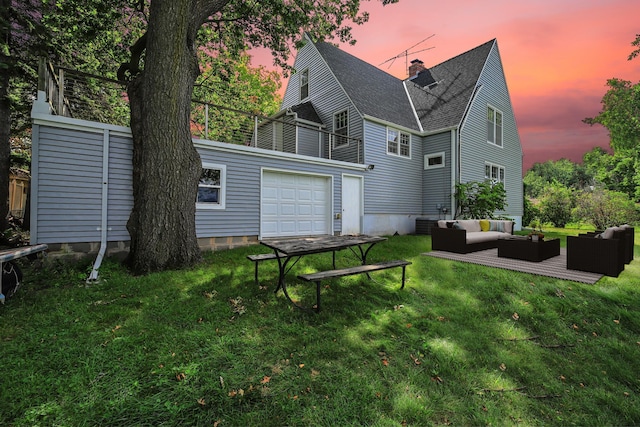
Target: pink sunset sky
{"points": [[557, 56]]}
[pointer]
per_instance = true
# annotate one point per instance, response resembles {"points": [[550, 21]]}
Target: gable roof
{"points": [[443, 105], [374, 92]]}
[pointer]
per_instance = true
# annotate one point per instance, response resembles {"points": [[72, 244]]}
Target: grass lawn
{"points": [[461, 345]]}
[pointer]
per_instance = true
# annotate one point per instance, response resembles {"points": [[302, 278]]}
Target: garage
{"points": [[295, 204]]}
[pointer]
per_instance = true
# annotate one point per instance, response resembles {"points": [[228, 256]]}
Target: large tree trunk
{"points": [[166, 166]]}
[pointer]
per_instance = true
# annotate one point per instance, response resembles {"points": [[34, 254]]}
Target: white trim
{"points": [[400, 132], [335, 135], [496, 110], [413, 108], [221, 205], [433, 156], [300, 84], [77, 124], [361, 201], [495, 165], [331, 206]]}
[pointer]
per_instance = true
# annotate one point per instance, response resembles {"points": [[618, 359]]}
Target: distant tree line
{"points": [[603, 190]]}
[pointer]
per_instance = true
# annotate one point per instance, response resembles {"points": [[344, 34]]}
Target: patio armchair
{"points": [[628, 237], [587, 252]]}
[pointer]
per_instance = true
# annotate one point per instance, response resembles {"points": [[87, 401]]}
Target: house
{"points": [[450, 123], [353, 150]]}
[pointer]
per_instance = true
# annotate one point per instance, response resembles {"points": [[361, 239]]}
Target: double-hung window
{"points": [[494, 126], [211, 187], [341, 129], [398, 143], [304, 84], [494, 173]]}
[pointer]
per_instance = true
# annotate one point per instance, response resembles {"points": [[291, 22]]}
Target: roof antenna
{"points": [[406, 53]]}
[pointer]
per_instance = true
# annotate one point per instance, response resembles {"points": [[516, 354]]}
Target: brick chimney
{"points": [[415, 67]]}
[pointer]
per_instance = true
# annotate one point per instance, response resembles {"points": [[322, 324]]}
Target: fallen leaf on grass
{"points": [[180, 376], [415, 359], [616, 321], [503, 367], [385, 362], [515, 316], [437, 379], [201, 401], [265, 380]]}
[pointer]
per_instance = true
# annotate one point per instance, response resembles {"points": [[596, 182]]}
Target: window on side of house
{"points": [[494, 173], [212, 187], [434, 161], [494, 126], [304, 84], [398, 143], [341, 129]]}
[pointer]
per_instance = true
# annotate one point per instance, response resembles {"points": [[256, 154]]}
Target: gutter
{"points": [[93, 277]]}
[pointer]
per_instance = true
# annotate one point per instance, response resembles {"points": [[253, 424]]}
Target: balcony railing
{"points": [[72, 93]]}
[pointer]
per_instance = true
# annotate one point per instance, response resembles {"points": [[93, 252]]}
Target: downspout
{"points": [[93, 277]]}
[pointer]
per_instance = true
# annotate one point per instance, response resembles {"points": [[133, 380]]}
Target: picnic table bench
{"points": [[349, 271], [7, 255]]}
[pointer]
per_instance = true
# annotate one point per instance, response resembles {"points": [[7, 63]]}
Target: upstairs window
{"points": [[494, 126], [341, 129], [211, 187], [398, 143], [494, 173], [304, 84]]}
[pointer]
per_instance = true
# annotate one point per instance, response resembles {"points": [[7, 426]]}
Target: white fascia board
{"points": [[77, 124], [413, 108], [261, 152]]}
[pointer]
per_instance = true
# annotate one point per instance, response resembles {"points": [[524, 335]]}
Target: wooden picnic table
{"points": [[6, 255], [287, 250]]}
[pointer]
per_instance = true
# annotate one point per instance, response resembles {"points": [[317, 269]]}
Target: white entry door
{"points": [[352, 201], [295, 204]]}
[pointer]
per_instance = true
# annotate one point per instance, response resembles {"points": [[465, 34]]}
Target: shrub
{"points": [[479, 199], [604, 208]]}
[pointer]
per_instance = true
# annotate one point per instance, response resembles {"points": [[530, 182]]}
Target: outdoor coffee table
{"points": [[527, 250]]}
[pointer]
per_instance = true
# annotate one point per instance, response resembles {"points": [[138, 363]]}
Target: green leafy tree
{"points": [[563, 171], [615, 172], [604, 208], [479, 199], [556, 205], [620, 114], [166, 165]]}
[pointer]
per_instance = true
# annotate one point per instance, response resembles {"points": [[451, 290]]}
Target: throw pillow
{"points": [[449, 224], [484, 225], [497, 226], [457, 226], [608, 233]]}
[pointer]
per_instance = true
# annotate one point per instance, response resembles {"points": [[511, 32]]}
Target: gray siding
{"points": [[394, 185], [474, 148], [437, 183], [327, 97], [68, 185], [67, 177]]}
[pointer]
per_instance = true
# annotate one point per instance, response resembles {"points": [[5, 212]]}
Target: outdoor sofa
{"points": [[603, 252], [469, 235]]}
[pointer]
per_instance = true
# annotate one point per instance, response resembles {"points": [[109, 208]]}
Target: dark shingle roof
{"points": [[443, 105], [306, 111], [374, 92]]}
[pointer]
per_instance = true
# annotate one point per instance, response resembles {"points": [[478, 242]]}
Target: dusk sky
{"points": [[557, 56]]}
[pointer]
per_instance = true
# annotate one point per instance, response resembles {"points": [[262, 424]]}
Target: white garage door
{"points": [[295, 205]]}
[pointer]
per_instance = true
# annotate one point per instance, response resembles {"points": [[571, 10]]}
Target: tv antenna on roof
{"points": [[406, 53]]}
